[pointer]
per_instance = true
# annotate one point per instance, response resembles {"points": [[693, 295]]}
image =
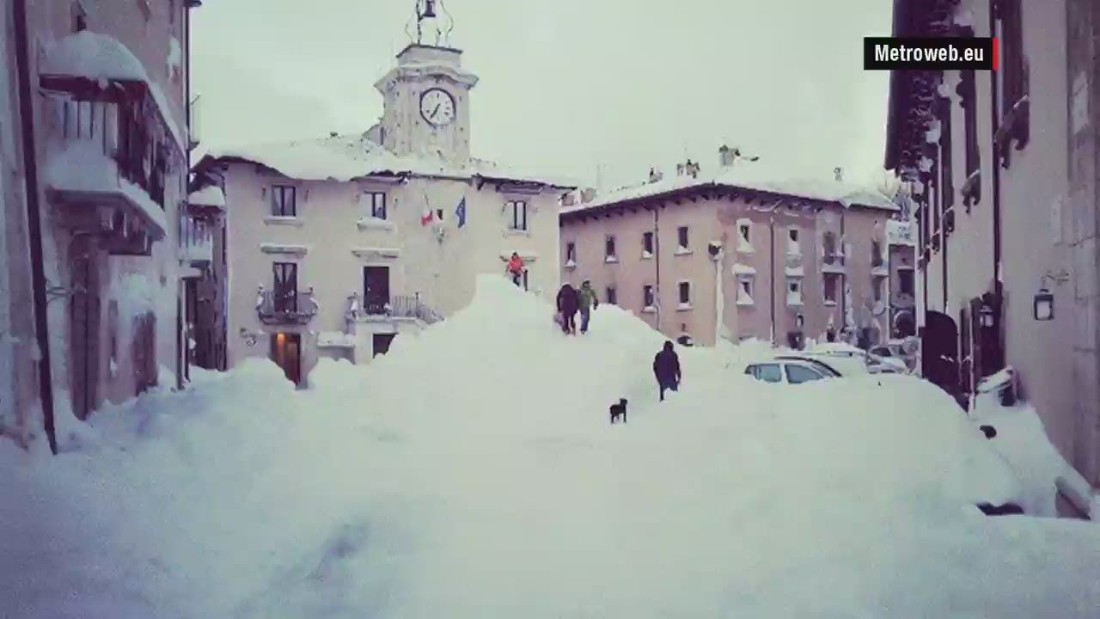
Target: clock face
{"points": [[437, 106]]}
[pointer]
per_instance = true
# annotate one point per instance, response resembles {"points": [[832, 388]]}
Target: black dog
{"points": [[618, 410]]}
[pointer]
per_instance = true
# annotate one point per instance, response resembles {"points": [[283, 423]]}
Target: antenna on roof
{"points": [[838, 174]]}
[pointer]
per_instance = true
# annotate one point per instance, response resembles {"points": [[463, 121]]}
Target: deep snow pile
{"points": [[472, 472]]}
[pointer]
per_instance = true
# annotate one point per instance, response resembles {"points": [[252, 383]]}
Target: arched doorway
{"points": [[939, 351]]}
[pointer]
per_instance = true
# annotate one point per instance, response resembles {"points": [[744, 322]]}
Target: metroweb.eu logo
{"points": [[932, 54]]}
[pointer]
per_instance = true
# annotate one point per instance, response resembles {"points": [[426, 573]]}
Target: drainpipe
{"points": [[771, 229], [183, 352], [998, 286], [34, 223], [657, 262], [844, 273]]}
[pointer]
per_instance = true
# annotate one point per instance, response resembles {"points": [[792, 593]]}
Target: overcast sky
{"points": [[568, 85]]}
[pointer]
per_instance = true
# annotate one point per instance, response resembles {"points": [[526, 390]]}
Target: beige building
{"points": [[1004, 170], [701, 256], [338, 245], [94, 154]]}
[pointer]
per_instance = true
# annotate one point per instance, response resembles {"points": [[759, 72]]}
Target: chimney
{"points": [[725, 156], [587, 195], [569, 199], [679, 169], [838, 174]]}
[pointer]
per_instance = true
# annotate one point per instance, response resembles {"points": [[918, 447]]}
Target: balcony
{"points": [[276, 307], [196, 240], [401, 306], [111, 141]]}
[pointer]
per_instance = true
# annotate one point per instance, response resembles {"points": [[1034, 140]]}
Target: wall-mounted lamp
{"points": [[985, 316], [1044, 305]]}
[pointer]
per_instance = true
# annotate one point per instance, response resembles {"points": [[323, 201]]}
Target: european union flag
{"points": [[460, 212]]}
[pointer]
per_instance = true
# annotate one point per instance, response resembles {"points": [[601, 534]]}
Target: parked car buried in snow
{"points": [[791, 370]]}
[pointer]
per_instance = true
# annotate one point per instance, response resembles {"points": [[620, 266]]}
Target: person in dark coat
{"points": [[666, 368], [568, 306]]}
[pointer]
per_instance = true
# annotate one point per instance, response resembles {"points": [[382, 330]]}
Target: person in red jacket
{"points": [[516, 266]]}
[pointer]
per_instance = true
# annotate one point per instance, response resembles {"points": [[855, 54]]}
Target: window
{"points": [[647, 244], [285, 293], [972, 186], [745, 229], [648, 298], [612, 296], [794, 291], [947, 185], [906, 282], [830, 287], [682, 237], [571, 252], [792, 241], [517, 215], [879, 285], [284, 201], [767, 372], [609, 249], [1014, 78], [439, 214], [798, 374], [377, 202], [744, 290], [685, 293], [828, 246], [876, 254], [80, 16]]}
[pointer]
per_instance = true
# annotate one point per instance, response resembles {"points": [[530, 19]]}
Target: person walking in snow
{"points": [[568, 303], [586, 301], [516, 267], [666, 368]]}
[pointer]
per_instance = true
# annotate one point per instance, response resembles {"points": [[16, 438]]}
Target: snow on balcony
{"points": [[210, 196], [101, 58], [83, 174]]}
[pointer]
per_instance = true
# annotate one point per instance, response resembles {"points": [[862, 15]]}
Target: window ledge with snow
{"points": [[279, 220], [794, 301], [646, 255], [570, 264], [283, 249], [375, 223], [683, 251], [376, 253], [610, 260], [743, 269], [830, 303], [795, 272], [516, 232], [683, 307], [745, 301], [649, 309], [745, 248]]}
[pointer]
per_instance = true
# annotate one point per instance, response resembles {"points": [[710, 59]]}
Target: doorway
{"points": [[381, 342], [286, 352], [376, 290], [84, 327]]}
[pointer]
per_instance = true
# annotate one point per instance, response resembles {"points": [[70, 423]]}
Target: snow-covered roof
{"points": [[209, 196], [347, 157], [97, 57], [748, 177]]}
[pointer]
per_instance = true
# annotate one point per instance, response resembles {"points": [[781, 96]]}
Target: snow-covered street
{"points": [[472, 472]]}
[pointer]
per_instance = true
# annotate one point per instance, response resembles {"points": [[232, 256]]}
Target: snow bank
{"points": [[472, 472]]}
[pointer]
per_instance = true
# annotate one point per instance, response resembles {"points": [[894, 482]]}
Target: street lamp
{"points": [[1044, 305]]}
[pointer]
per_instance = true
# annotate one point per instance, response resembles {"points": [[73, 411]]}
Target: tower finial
{"points": [[432, 19]]}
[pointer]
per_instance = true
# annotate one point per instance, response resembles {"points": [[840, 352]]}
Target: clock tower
{"points": [[426, 96]]}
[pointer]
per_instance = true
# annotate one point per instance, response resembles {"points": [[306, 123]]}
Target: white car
{"points": [[875, 364], [790, 370]]}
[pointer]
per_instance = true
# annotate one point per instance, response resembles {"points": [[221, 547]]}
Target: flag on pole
{"points": [[427, 217], [460, 212]]}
